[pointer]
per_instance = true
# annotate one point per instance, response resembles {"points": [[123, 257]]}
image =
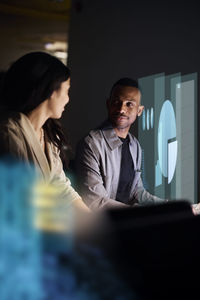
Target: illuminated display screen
{"points": [[167, 133]]}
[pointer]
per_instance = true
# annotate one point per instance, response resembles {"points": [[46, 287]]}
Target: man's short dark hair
{"points": [[126, 82]]}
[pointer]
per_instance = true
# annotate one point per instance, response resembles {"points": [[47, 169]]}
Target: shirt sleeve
{"points": [[89, 179], [63, 183], [142, 196]]}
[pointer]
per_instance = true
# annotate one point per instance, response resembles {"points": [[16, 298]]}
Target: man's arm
{"points": [[144, 197], [89, 179]]}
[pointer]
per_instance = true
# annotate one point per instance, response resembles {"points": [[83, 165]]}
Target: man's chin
{"points": [[120, 125]]}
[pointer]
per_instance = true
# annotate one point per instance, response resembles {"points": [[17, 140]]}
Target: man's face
{"points": [[124, 106]]}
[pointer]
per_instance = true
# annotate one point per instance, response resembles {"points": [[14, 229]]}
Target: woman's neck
{"points": [[38, 117]]}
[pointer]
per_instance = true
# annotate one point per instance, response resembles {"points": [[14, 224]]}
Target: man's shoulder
{"points": [[93, 137], [90, 143], [95, 134], [96, 139]]}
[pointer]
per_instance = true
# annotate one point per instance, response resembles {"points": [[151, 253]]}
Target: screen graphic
{"points": [[168, 135]]}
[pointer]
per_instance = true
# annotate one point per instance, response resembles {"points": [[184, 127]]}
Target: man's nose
{"points": [[122, 107]]}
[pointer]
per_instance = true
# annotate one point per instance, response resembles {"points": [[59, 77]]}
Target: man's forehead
{"points": [[120, 90]]}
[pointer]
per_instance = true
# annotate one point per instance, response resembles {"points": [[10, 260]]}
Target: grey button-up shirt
{"points": [[98, 162]]}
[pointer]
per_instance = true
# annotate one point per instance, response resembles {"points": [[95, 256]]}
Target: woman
{"points": [[34, 95]]}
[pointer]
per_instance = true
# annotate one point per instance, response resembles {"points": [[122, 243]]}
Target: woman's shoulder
{"points": [[11, 140], [9, 119], [10, 128]]}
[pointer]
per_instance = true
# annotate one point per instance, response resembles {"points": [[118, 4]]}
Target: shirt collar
{"points": [[111, 137]]}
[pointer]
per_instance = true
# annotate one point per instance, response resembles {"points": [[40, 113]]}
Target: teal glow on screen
{"points": [[167, 133]]}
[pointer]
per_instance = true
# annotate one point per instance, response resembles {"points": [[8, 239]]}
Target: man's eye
{"points": [[129, 104]]}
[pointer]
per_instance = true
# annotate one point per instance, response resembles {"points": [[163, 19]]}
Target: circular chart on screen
{"points": [[167, 143]]}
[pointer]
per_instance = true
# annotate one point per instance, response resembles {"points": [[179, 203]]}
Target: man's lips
{"points": [[120, 117]]}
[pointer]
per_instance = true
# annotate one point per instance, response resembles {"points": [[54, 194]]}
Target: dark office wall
{"points": [[109, 39]]}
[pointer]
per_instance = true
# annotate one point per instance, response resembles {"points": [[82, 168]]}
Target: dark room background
{"points": [[139, 39]]}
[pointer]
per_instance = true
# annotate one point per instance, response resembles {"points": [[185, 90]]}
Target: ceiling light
{"points": [[59, 54], [56, 46]]}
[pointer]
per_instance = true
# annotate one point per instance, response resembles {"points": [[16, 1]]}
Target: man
{"points": [[108, 160]]}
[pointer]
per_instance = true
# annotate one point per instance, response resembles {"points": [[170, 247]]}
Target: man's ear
{"points": [[140, 110]]}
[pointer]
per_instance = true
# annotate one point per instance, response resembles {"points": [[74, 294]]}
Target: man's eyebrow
{"points": [[131, 99], [126, 99]]}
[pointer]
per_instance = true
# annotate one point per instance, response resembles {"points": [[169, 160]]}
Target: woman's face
{"points": [[58, 100]]}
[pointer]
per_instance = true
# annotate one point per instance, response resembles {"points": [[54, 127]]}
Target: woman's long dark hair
{"points": [[30, 81]]}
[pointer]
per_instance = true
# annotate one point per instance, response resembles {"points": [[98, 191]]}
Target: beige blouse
{"points": [[18, 138]]}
